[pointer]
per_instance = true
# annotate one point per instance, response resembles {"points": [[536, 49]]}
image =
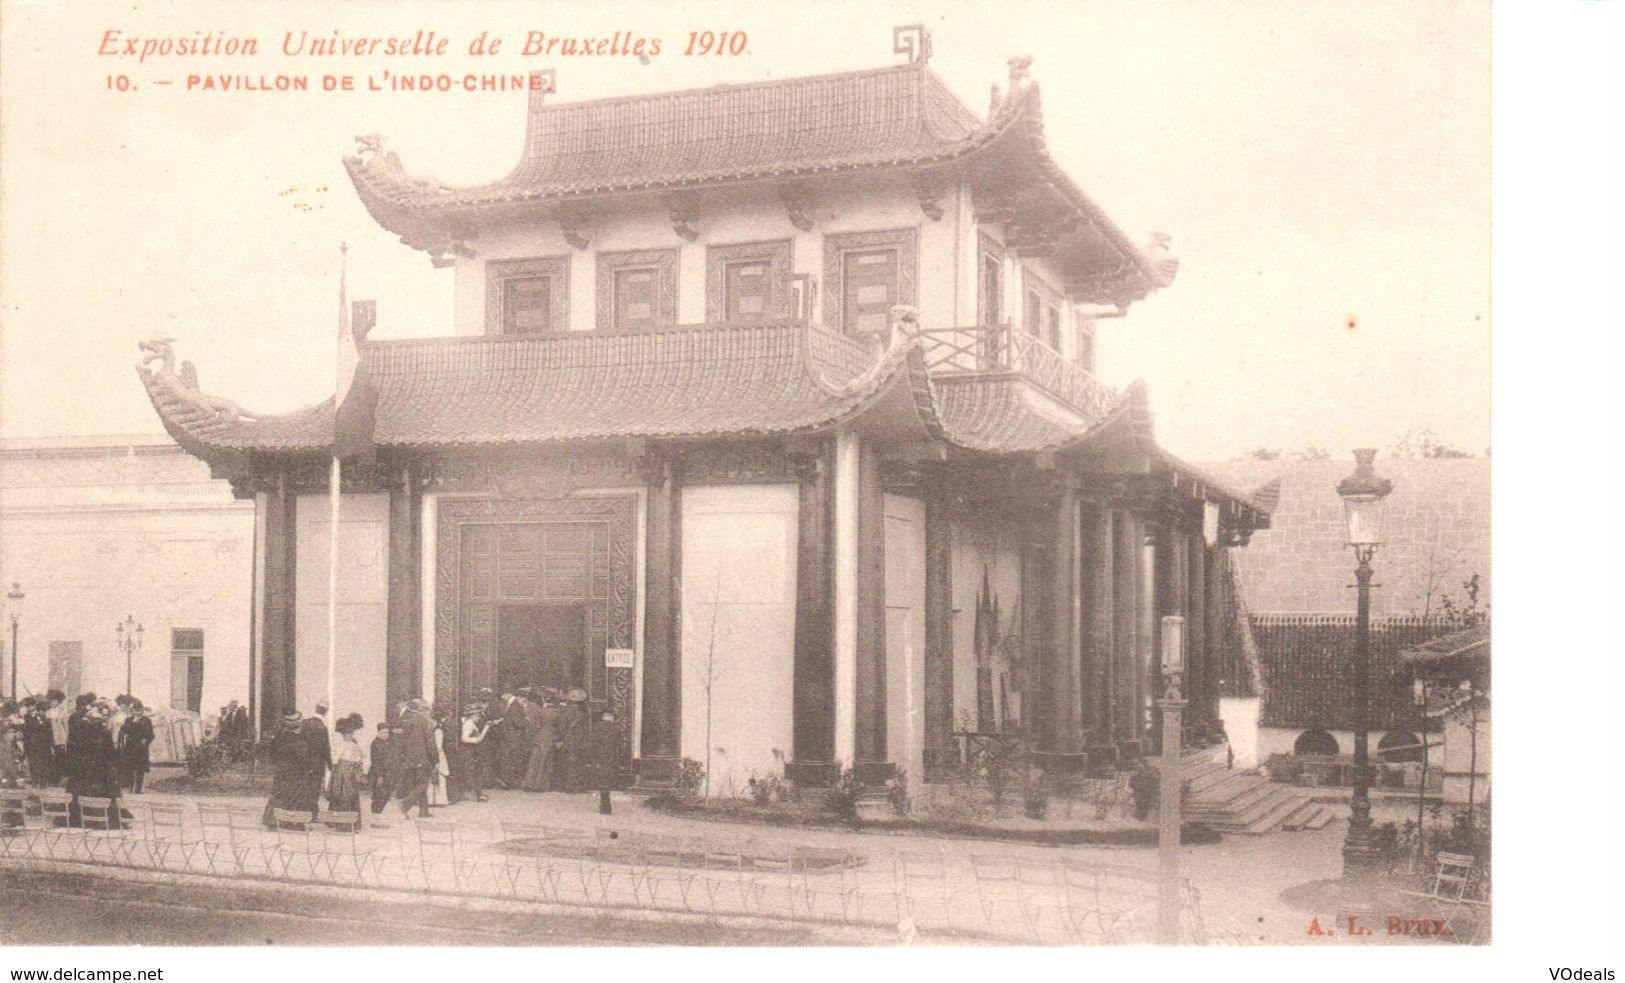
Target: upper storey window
{"points": [[991, 293], [1086, 344], [527, 296], [637, 291], [749, 281], [865, 275], [1041, 314]]}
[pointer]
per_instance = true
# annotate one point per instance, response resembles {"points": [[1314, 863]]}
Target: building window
{"points": [[637, 291], [1041, 314], [865, 275], [1086, 345], [1399, 745], [186, 669], [527, 296], [748, 282], [66, 667], [1315, 742], [991, 303]]}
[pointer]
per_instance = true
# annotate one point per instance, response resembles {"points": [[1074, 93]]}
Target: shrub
{"points": [[767, 791], [1146, 784], [690, 780], [1035, 794], [842, 800], [208, 757], [897, 792]]}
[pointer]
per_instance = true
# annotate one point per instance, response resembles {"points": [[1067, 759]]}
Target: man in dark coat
{"points": [[291, 756], [516, 741], [571, 771], [381, 771], [542, 774], [91, 760], [37, 745], [418, 757], [321, 755], [138, 735]]}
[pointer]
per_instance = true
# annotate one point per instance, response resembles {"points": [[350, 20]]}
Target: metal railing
{"points": [[1030, 896], [1002, 348]]}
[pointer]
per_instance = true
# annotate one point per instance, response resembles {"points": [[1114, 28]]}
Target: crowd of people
{"points": [[90, 747], [538, 741]]}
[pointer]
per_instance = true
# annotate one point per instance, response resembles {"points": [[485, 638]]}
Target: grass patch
{"points": [[809, 815], [238, 780]]}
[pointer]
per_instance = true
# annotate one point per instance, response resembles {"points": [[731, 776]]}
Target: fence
{"points": [[1010, 897]]}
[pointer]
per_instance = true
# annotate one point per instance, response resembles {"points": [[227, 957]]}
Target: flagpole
{"points": [[334, 489]]}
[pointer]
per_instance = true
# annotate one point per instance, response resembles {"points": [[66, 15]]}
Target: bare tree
{"points": [[710, 666]]}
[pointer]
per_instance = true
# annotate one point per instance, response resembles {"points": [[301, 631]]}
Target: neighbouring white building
{"points": [[97, 529]]}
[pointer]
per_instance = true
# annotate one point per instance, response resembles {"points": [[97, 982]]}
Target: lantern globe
{"points": [[1363, 493]]}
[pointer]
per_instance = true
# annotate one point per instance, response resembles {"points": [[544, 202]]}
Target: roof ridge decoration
{"points": [[184, 384]]}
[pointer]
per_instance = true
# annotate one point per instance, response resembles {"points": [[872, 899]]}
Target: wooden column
{"points": [[403, 666], [1100, 587], [1125, 658], [1061, 663], [941, 750], [1154, 603], [1198, 679], [277, 642], [813, 727], [872, 765], [660, 744], [1178, 595]]}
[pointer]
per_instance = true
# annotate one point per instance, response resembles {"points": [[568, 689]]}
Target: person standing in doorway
{"points": [[472, 760]]}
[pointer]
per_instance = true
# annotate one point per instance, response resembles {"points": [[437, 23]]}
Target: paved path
{"points": [[1240, 879]]}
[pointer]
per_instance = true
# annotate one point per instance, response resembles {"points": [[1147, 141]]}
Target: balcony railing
{"points": [[1001, 348]]}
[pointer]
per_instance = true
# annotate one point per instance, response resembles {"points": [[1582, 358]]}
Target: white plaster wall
{"points": [[362, 610], [1279, 740], [1459, 762], [1240, 716], [739, 605], [977, 547], [97, 537], [741, 215], [905, 634]]}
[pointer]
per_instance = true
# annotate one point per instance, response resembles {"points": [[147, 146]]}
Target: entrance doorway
{"points": [[541, 645]]}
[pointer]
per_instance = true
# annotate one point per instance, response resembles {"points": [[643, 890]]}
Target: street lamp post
{"points": [[129, 642], [1362, 494], [1419, 697], [14, 600], [1169, 797]]}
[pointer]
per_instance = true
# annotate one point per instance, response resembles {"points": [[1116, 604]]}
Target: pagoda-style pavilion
{"points": [[770, 419]]}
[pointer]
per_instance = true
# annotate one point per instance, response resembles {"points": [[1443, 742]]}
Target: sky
{"points": [[1323, 170]]}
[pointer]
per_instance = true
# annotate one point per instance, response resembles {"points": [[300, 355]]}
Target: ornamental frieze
{"points": [[529, 478]]}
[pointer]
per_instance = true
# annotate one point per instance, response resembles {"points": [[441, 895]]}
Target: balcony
{"points": [[1001, 348]]}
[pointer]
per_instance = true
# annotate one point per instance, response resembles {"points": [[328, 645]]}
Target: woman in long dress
{"points": [[437, 789], [344, 785]]}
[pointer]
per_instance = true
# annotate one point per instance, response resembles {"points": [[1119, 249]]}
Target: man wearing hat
{"points": [[417, 757], [516, 738], [37, 743], [291, 760], [134, 755], [321, 749]]}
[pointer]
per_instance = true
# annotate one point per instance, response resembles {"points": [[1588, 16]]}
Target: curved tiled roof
{"points": [[877, 117], [771, 378], [900, 116]]}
